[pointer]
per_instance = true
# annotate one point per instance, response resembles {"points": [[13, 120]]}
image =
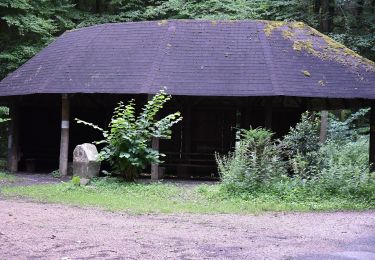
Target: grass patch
{"points": [[6, 177], [110, 194]]}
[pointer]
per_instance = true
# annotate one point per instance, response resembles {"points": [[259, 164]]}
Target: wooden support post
{"points": [[155, 145], [372, 138], [323, 126], [155, 166], [64, 144], [13, 139]]}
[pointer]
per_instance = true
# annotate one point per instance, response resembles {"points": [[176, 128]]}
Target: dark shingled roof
{"points": [[196, 57]]}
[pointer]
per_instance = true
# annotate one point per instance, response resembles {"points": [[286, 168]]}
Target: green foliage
{"points": [[346, 168], [345, 158], [56, 174], [27, 26], [76, 180], [211, 9], [355, 125], [301, 146], [6, 177], [3, 164], [307, 157], [338, 168], [4, 114], [127, 142], [256, 162], [304, 137], [4, 119]]}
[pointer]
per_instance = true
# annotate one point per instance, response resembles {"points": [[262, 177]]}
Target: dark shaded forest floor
{"points": [[31, 230]]}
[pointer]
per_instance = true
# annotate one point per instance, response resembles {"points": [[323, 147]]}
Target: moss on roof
{"points": [[306, 38]]}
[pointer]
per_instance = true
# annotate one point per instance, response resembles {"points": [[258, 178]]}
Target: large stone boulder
{"points": [[85, 161]]}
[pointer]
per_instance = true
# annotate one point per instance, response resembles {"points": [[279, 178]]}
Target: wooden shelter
{"points": [[222, 75]]}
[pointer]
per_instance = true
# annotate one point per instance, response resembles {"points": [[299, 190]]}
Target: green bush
{"points": [[346, 169], [301, 147], [338, 168], [355, 125], [76, 180], [128, 140], [255, 163], [4, 124], [56, 174]]}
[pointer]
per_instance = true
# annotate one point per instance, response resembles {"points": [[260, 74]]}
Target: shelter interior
{"points": [[209, 126]]}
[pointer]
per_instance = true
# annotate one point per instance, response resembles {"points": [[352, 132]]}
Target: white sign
{"points": [[64, 124]]}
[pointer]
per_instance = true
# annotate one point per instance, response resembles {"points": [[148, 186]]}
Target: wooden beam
{"points": [[155, 145], [323, 126], [64, 142], [372, 138], [155, 166], [13, 139]]}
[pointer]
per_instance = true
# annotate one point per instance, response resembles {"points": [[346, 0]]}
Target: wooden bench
{"points": [[183, 161]]}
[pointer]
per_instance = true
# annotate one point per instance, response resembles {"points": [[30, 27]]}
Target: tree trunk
{"points": [[98, 6], [327, 12], [360, 4], [317, 5]]}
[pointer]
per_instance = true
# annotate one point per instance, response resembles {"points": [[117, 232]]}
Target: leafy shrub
{"points": [[127, 142], [255, 163], [348, 129], [301, 147], [76, 180], [346, 169], [4, 114], [337, 168], [4, 123], [56, 174]]}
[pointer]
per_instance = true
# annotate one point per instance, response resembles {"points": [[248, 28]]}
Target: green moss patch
{"points": [[306, 38]]}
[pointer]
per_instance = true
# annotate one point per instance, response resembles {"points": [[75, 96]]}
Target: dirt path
{"points": [[32, 230]]}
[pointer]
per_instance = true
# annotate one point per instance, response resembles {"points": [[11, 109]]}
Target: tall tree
{"points": [[327, 10], [27, 26]]}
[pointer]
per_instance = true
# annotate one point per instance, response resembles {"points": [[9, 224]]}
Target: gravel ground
{"points": [[31, 230], [24, 179]]}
